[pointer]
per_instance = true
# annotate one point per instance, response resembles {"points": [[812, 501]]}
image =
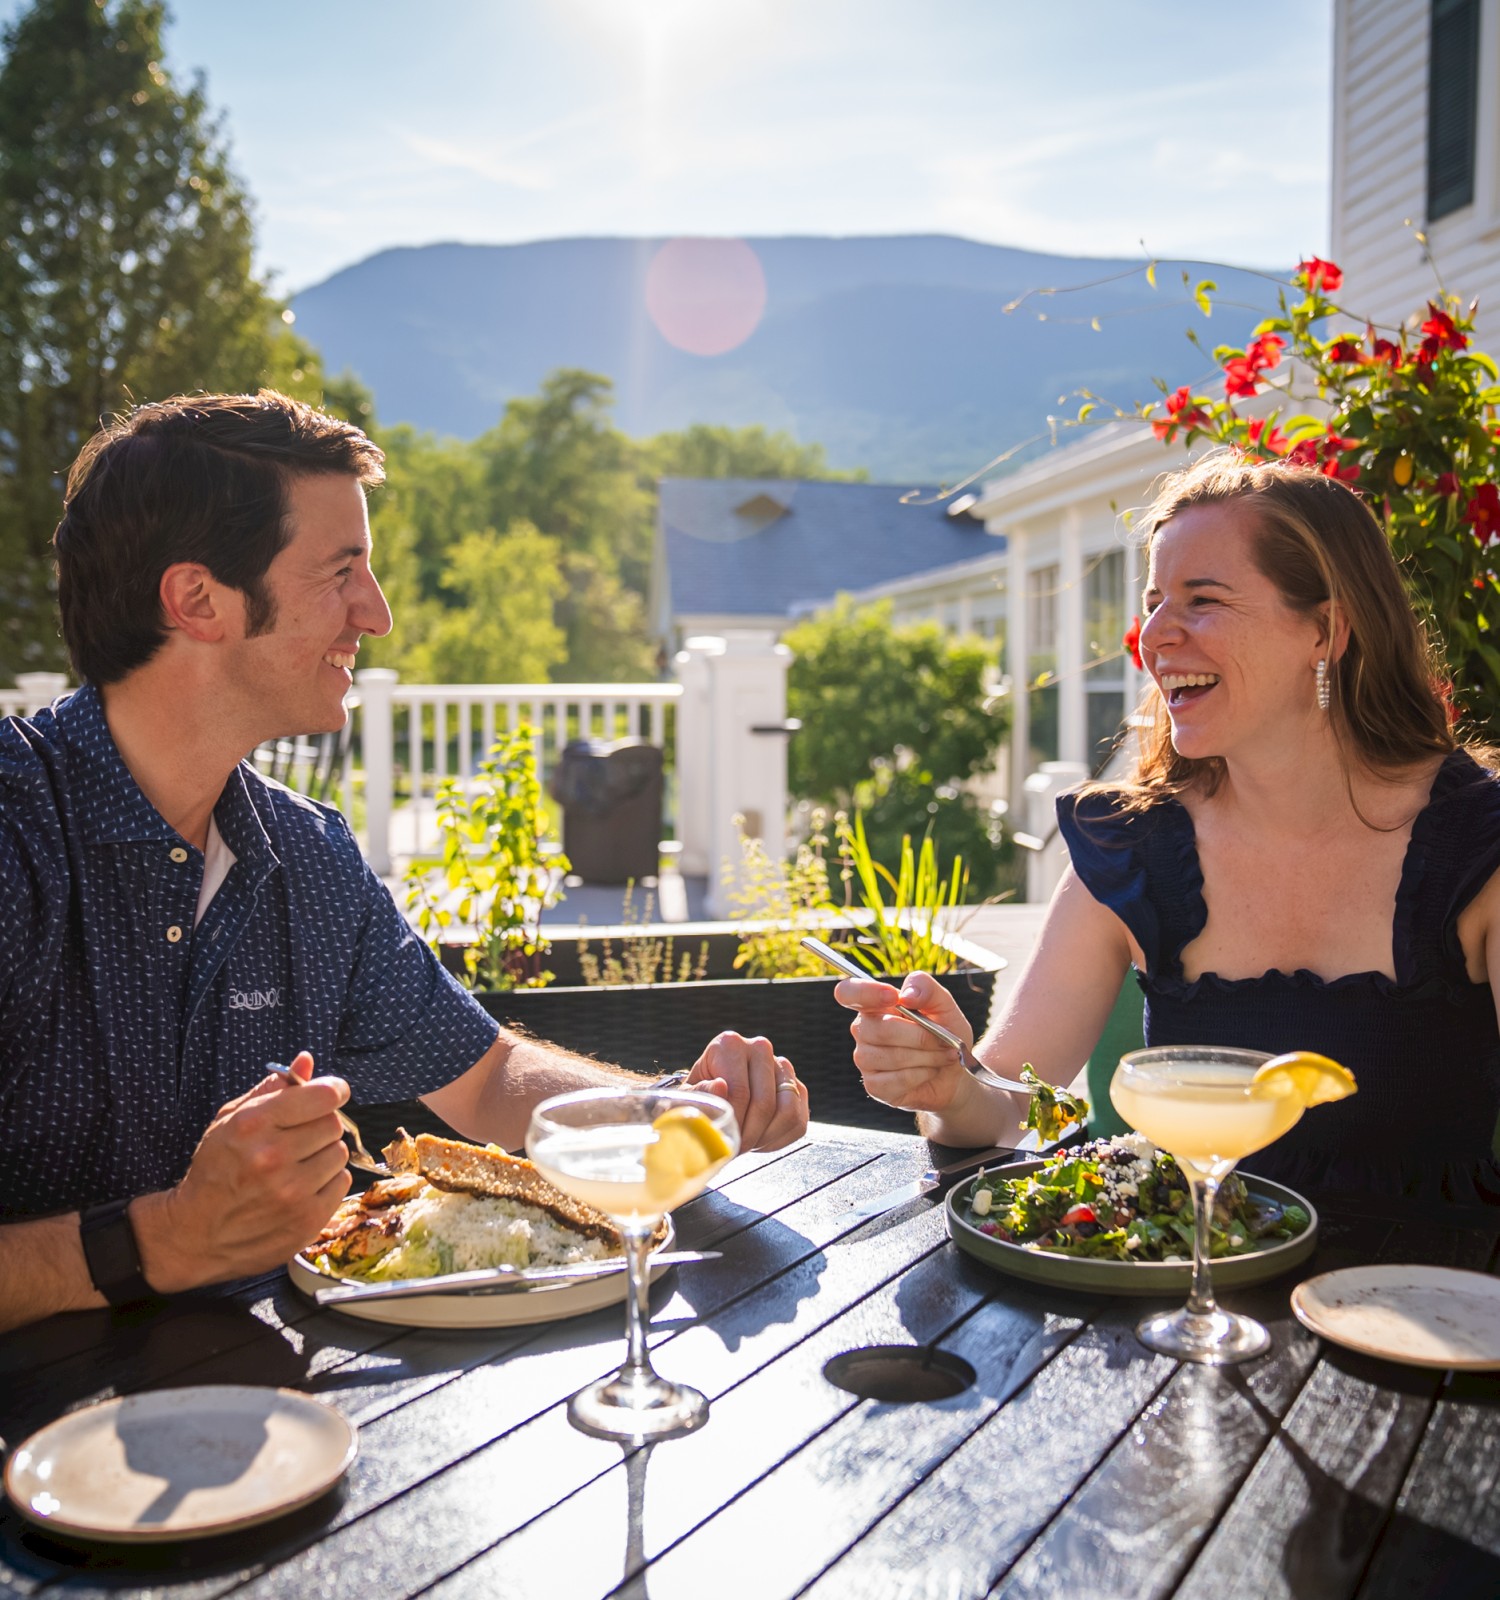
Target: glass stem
{"points": [[1204, 1191], [637, 1366]]}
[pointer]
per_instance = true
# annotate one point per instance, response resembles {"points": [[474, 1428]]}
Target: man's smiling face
{"points": [[297, 670]]}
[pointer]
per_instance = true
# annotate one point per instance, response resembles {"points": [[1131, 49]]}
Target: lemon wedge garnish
{"points": [[1313, 1079], [687, 1145]]}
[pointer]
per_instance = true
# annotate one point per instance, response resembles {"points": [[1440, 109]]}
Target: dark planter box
{"points": [[662, 1027]]}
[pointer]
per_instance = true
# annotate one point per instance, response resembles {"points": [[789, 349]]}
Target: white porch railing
{"points": [[34, 691], [412, 736], [722, 729]]}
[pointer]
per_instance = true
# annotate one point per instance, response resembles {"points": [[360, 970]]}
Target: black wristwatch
{"points": [[114, 1259]]}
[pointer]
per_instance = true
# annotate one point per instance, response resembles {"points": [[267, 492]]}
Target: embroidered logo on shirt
{"points": [[253, 999]]}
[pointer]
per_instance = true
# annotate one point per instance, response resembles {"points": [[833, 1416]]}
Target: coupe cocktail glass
{"points": [[1200, 1104], [603, 1147]]}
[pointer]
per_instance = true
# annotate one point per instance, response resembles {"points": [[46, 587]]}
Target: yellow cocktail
{"points": [[1206, 1114], [634, 1154], [1208, 1107]]}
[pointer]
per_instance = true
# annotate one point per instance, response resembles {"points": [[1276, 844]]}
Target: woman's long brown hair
{"points": [[1316, 540]]}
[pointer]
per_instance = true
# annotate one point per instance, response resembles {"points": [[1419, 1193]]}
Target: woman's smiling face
{"points": [[1234, 662]]}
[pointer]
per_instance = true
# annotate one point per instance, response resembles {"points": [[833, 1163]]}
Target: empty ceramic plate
{"points": [[1423, 1316], [180, 1463]]}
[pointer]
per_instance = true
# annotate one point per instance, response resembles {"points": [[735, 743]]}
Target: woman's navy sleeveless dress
{"points": [[1425, 1048]]}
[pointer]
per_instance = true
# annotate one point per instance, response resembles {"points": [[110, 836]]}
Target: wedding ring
{"points": [[790, 1085]]}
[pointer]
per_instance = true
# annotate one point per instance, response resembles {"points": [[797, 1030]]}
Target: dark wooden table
{"points": [[1077, 1464]]}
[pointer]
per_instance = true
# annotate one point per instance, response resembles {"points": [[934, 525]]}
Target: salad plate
{"points": [[541, 1302], [1088, 1274]]}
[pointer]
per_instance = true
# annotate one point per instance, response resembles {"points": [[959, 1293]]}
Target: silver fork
{"points": [[359, 1156], [972, 1063]]}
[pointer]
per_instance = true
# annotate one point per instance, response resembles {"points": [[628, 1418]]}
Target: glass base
{"points": [[635, 1407], [1215, 1338]]}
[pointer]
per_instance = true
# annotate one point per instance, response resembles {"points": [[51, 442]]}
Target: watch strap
{"points": [[113, 1257], [673, 1080]]}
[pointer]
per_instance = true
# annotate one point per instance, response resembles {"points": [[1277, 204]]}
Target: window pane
{"points": [[1452, 106]]}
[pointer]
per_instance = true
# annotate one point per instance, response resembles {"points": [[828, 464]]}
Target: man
{"points": [[214, 580]]}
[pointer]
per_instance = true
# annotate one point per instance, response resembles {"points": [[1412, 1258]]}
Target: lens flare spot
{"points": [[705, 296]]}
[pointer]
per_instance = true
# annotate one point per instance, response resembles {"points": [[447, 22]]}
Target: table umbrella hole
{"points": [[899, 1374]]}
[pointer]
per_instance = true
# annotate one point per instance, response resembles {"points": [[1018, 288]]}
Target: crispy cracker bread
{"points": [[487, 1170]]}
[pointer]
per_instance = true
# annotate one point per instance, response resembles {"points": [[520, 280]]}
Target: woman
{"points": [[1302, 860]]}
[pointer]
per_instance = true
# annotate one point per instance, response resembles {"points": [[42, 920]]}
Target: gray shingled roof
{"points": [[724, 554]]}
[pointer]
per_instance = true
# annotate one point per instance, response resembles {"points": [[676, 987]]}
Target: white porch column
{"points": [[747, 775], [1017, 652], [376, 687], [41, 688], [1044, 868], [695, 754], [1072, 714]]}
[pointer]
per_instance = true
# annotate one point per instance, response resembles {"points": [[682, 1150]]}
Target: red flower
{"points": [[1304, 453], [1239, 377], [1319, 274], [1443, 688], [1447, 483], [1132, 642], [1333, 448], [1271, 440], [1483, 513], [1265, 352], [1345, 351], [1384, 350], [1181, 413], [1443, 333]]}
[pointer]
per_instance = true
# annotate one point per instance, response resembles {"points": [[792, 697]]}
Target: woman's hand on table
{"points": [[266, 1176], [769, 1102]]}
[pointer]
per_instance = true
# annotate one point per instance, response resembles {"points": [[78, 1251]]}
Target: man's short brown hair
{"points": [[196, 478]]}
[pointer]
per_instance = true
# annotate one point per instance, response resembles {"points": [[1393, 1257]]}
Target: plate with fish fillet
{"points": [[451, 1207]]}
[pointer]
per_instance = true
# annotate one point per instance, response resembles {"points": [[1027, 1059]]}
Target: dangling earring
{"points": [[1323, 693]]}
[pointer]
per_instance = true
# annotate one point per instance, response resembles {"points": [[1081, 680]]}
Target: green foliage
{"points": [[556, 464], [894, 720], [641, 957], [1409, 421], [866, 691], [792, 898], [125, 269], [704, 451], [902, 937], [494, 875], [796, 899], [499, 627]]}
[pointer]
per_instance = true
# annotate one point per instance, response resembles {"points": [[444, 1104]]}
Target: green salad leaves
{"points": [[1124, 1200]]}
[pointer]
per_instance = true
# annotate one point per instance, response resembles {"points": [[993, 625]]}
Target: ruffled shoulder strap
{"points": [[1454, 852], [1143, 865]]}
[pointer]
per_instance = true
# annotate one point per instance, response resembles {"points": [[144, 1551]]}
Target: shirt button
{"points": [[174, 933], [178, 854]]}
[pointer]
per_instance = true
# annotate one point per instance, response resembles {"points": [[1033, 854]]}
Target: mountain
{"points": [[896, 354]]}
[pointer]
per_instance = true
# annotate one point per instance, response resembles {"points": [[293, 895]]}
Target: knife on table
{"points": [[937, 1179], [499, 1280]]}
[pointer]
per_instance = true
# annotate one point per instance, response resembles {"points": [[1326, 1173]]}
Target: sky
{"points": [[1084, 127]]}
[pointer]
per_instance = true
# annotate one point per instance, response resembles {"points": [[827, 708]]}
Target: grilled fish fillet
{"points": [[487, 1170]]}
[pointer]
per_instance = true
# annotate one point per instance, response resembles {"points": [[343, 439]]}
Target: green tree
{"points": [[894, 720], [705, 451], [501, 631], [125, 269]]}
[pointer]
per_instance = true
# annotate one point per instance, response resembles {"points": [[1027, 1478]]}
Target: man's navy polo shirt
{"points": [[123, 1028]]}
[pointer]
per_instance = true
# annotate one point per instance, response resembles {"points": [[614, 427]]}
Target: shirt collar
{"points": [[111, 805], [107, 798]]}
